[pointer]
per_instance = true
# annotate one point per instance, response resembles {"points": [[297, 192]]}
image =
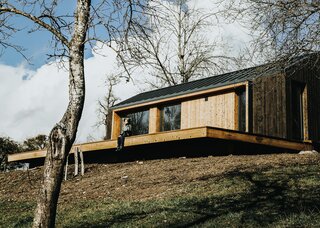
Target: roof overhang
{"points": [[180, 96]]}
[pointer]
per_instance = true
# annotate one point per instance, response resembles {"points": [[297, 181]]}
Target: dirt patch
{"points": [[142, 180]]}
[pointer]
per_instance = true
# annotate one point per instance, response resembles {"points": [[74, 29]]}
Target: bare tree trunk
{"points": [[53, 171], [181, 46], [63, 134]]}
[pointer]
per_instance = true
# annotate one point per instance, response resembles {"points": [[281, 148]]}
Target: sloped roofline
{"points": [[230, 78]]}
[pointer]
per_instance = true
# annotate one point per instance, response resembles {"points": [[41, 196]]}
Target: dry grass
{"points": [[231, 190]]}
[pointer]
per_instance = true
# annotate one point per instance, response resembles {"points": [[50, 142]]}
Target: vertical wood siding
{"points": [[154, 120], [311, 78], [217, 111], [116, 123], [268, 105]]}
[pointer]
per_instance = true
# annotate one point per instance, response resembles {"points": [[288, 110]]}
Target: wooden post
{"points": [[248, 108], [81, 162], [116, 125], [305, 113], [66, 169], [154, 120], [236, 111], [76, 162]]}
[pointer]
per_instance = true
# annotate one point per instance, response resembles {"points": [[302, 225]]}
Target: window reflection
{"points": [[139, 122], [170, 117], [242, 110]]}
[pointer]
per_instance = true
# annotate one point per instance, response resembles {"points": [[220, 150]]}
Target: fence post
{"points": [[76, 162], [66, 169], [82, 162]]}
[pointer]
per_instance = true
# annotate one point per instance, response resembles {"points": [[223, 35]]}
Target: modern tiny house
{"points": [[264, 109], [269, 100]]}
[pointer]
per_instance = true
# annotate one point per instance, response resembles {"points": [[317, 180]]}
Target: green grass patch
{"points": [[16, 214], [273, 197]]}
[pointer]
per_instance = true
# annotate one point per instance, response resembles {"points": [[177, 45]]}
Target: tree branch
{"points": [[36, 20]]}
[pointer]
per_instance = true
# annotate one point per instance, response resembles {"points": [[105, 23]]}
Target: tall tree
{"points": [[105, 105], [71, 30], [284, 29], [175, 48]]}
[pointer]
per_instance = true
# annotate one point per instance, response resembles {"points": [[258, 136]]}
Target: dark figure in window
{"points": [[126, 131]]}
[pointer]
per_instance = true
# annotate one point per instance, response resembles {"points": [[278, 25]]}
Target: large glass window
{"points": [[139, 122], [171, 117]]}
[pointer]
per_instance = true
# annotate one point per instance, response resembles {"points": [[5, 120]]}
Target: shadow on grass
{"points": [[269, 200], [266, 202], [285, 197]]}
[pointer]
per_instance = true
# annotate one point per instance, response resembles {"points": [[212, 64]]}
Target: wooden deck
{"points": [[185, 134]]}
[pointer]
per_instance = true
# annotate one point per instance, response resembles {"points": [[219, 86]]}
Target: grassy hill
{"points": [[232, 191]]}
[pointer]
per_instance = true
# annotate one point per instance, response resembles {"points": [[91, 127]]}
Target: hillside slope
{"points": [[261, 190]]}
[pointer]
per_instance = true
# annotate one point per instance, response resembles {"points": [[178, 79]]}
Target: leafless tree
{"points": [[105, 105], [283, 29], [174, 48], [71, 30]]}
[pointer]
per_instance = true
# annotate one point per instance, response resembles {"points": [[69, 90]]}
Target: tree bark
{"points": [[63, 134]]}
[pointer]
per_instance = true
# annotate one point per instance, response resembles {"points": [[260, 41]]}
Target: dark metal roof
{"points": [[202, 84]]}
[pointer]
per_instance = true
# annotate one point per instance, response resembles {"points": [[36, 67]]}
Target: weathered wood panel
{"points": [[216, 111], [268, 106], [311, 99]]}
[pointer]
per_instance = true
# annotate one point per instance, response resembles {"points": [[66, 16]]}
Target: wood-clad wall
{"points": [[217, 111], [311, 78], [154, 120], [268, 106], [116, 124]]}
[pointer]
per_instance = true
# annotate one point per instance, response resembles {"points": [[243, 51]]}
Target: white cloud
{"points": [[33, 101]]}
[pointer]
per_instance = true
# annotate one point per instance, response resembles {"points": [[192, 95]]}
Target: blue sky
{"points": [[36, 44], [36, 48]]}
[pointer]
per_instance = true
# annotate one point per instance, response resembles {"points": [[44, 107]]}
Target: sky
{"points": [[34, 97]]}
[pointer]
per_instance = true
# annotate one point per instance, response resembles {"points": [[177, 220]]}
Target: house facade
{"points": [[264, 109], [268, 100]]}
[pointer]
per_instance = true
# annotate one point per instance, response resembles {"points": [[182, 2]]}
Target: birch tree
{"points": [[71, 30]]}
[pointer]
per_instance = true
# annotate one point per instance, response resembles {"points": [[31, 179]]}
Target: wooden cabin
{"points": [[268, 100], [262, 109]]}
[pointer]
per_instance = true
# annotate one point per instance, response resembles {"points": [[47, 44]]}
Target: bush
{"points": [[7, 146]]}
